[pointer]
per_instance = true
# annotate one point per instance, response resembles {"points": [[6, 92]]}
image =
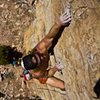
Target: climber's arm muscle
{"points": [[63, 21], [46, 42]]}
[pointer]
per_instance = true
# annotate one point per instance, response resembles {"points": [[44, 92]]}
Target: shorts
{"points": [[44, 78]]}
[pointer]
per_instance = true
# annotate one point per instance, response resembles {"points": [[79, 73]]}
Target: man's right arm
{"points": [[63, 21]]}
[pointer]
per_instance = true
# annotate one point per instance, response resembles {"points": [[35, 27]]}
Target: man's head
{"points": [[29, 62]]}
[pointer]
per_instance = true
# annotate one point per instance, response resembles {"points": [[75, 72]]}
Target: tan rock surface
{"points": [[79, 45]]}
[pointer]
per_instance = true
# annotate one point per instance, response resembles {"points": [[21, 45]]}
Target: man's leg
{"points": [[58, 67], [52, 71], [55, 82]]}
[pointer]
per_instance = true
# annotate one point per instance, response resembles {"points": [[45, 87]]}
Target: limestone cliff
{"points": [[79, 45]]}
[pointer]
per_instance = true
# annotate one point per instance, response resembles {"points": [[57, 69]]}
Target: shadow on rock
{"points": [[97, 89], [9, 54], [2, 94]]}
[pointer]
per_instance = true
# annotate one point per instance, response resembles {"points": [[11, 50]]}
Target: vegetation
{"points": [[8, 54]]}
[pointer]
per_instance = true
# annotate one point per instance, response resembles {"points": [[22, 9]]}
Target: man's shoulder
{"points": [[38, 49], [34, 50]]}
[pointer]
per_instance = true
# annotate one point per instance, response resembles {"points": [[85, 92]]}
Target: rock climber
{"points": [[36, 63]]}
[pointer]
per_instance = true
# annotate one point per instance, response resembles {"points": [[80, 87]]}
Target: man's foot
{"points": [[59, 64], [63, 92]]}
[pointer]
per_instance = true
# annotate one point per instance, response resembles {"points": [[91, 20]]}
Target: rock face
{"points": [[79, 45], [15, 16]]}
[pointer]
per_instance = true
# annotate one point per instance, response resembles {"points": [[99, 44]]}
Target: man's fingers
{"points": [[67, 21], [67, 12], [66, 17]]}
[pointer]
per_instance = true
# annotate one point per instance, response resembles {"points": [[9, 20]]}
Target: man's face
{"points": [[34, 60]]}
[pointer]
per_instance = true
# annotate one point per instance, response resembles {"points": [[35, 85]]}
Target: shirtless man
{"points": [[36, 62]]}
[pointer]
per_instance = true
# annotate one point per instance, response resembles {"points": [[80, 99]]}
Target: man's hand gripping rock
{"points": [[65, 18]]}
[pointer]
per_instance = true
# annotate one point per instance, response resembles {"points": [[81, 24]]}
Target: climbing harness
{"points": [[27, 75]]}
